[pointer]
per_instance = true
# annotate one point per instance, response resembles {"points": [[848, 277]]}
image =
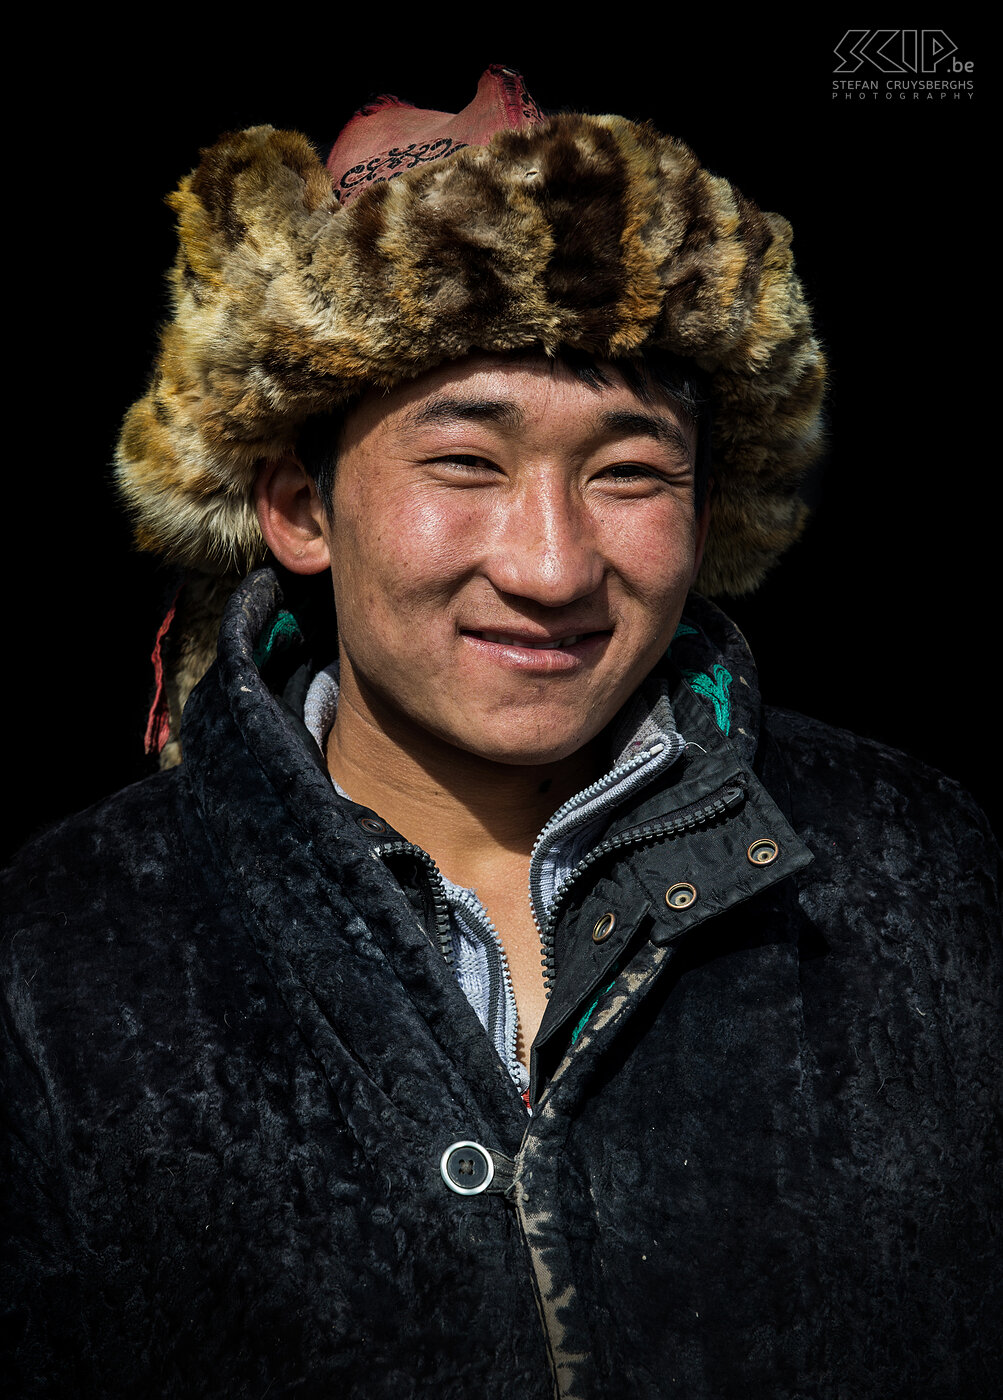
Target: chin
{"points": [[531, 752]]}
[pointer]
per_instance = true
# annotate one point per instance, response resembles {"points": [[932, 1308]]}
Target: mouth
{"points": [[536, 654], [511, 639]]}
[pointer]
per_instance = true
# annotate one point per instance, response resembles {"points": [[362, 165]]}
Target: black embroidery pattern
{"points": [[516, 94], [389, 164], [530, 110]]}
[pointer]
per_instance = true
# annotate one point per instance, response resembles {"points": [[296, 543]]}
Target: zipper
{"points": [[599, 798], [508, 1012], [587, 805], [725, 799], [440, 902], [497, 966]]}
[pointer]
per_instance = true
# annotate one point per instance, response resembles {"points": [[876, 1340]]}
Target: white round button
{"points": [[467, 1168]]}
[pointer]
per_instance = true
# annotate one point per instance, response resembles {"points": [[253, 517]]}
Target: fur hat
{"points": [[589, 233]]}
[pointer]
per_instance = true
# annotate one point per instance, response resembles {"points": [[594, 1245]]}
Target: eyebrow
{"points": [[442, 409], [614, 422], [623, 422]]}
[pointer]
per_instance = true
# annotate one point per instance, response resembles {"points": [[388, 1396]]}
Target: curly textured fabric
{"points": [[765, 1165]]}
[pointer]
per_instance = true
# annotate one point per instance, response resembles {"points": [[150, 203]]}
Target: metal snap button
{"points": [[604, 927], [764, 851], [681, 895], [467, 1168], [372, 825]]}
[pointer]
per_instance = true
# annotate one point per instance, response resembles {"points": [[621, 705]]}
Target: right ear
{"points": [[291, 515]]}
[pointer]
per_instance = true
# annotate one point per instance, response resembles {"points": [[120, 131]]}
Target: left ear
{"points": [[291, 516], [703, 525]]}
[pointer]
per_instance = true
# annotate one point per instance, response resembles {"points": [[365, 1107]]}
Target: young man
{"points": [[496, 995], [539, 536]]}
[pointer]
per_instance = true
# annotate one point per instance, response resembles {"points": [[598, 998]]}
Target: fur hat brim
{"points": [[587, 233]]}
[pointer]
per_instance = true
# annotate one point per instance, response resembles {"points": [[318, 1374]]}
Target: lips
{"points": [[511, 639], [536, 654]]}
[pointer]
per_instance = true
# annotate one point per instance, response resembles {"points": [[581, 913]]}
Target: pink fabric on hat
{"points": [[158, 723], [387, 136]]}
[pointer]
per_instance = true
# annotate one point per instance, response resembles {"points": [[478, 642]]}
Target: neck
{"points": [[466, 811]]}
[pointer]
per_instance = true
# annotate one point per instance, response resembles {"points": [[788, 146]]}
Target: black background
{"points": [[881, 620]]}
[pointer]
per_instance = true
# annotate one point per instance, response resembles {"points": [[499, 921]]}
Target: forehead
{"points": [[520, 394]]}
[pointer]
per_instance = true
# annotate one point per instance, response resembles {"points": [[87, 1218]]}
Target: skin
{"points": [[487, 507]]}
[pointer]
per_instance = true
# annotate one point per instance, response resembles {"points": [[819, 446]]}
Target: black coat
{"points": [[760, 1162]]}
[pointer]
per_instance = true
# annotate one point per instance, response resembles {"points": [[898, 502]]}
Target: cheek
{"points": [[434, 542], [397, 556], [653, 553]]}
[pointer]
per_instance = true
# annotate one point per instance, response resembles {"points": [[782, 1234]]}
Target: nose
{"points": [[546, 547]]}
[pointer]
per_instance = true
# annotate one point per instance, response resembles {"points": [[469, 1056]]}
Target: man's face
{"points": [[511, 550]]}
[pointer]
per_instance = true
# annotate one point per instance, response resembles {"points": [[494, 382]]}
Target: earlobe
{"points": [[291, 516]]}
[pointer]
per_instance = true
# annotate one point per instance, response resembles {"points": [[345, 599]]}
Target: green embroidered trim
{"points": [[582, 1023], [715, 688], [284, 632], [684, 630]]}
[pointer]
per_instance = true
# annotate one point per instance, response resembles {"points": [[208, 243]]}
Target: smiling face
{"points": [[511, 549]]}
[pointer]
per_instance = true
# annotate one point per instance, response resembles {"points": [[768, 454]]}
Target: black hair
{"points": [[654, 375]]}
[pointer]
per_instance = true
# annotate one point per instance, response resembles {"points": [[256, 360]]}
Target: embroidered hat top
{"points": [[388, 137]]}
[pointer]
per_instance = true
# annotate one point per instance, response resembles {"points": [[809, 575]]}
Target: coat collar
{"points": [[706, 687]]}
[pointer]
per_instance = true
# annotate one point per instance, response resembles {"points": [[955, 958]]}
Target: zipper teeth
{"points": [[477, 911], [511, 1052], [441, 903], [728, 796], [582, 798], [588, 804], [443, 933], [440, 900]]}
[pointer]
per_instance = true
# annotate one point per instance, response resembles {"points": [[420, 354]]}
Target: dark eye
{"points": [[465, 461], [629, 471], [646, 479]]}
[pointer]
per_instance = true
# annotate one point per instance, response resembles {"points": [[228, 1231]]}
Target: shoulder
{"points": [[867, 786], [131, 837], [902, 853], [122, 951], [98, 893]]}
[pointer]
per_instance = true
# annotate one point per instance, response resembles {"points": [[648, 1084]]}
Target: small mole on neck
{"points": [[545, 785]]}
